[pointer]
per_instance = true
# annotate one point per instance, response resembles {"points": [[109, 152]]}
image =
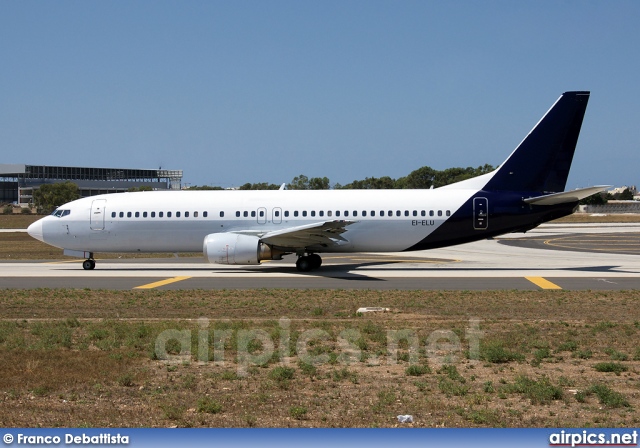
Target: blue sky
{"points": [[262, 91]]}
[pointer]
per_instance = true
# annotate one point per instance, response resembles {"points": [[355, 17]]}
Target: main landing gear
{"points": [[89, 263], [306, 263]]}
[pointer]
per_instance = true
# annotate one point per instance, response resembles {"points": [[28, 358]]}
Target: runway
{"points": [[553, 256]]}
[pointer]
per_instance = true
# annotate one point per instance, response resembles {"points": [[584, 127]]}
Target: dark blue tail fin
{"points": [[543, 159]]}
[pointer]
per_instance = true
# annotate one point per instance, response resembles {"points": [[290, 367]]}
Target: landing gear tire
{"points": [[89, 264], [303, 264], [306, 263], [316, 261]]}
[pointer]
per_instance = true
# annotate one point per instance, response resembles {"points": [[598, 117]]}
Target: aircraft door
{"points": [[262, 215], [277, 215], [96, 220], [480, 213]]}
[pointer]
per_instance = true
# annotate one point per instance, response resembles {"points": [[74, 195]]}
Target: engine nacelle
{"points": [[235, 248]]}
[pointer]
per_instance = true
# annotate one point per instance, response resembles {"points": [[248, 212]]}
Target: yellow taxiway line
{"points": [[161, 283], [543, 283]]}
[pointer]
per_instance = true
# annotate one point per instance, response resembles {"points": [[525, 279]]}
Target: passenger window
{"points": [[346, 213], [329, 213], [137, 214], [186, 214], [113, 214], [286, 213], [337, 212], [364, 213], [177, 214], [153, 214], [168, 214], [195, 214], [277, 213], [237, 214], [430, 212], [448, 212], [205, 214], [222, 214], [423, 213], [295, 213], [415, 213], [373, 213], [253, 214], [439, 212], [144, 214], [128, 214], [262, 213], [355, 213], [160, 214], [313, 213], [406, 213], [246, 214], [304, 213], [122, 214], [398, 213], [321, 212]]}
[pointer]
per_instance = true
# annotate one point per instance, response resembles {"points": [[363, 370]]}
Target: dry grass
{"points": [[260, 304], [20, 246], [17, 221], [82, 357]]}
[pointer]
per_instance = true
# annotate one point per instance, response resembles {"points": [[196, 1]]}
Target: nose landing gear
{"points": [[89, 264]]}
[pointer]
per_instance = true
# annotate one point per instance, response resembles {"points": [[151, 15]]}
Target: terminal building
{"points": [[17, 182]]}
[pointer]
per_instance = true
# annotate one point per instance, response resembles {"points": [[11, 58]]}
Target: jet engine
{"points": [[235, 248]]}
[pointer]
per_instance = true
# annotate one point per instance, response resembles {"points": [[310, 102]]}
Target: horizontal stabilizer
{"points": [[567, 196]]}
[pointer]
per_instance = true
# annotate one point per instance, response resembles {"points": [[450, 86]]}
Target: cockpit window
{"points": [[59, 213]]}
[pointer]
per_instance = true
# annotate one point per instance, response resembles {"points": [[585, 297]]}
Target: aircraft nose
{"points": [[35, 230]]}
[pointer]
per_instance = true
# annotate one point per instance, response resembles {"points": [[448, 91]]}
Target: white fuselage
{"points": [[178, 221]]}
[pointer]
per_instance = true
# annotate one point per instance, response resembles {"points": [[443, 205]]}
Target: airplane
{"points": [[248, 227]]}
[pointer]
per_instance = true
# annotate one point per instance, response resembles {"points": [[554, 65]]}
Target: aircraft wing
{"points": [[324, 234], [567, 196]]}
